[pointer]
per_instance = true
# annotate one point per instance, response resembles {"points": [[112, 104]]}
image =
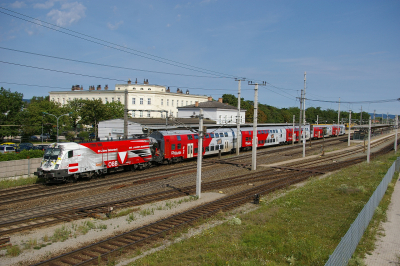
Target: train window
{"points": [[207, 149], [92, 145], [211, 148], [178, 137], [196, 136], [70, 154], [99, 144], [221, 147], [226, 134], [250, 132], [189, 137], [173, 147], [212, 135], [196, 150], [259, 132], [221, 134], [179, 146], [207, 136]]}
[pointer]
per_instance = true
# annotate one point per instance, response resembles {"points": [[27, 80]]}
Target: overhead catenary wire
{"points": [[111, 66], [110, 44]]}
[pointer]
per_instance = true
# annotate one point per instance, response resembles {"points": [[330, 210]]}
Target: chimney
{"points": [[136, 81], [98, 87], [220, 100], [209, 98], [178, 90], [106, 87], [167, 90], [196, 103], [129, 81], [81, 88], [91, 88], [187, 91]]}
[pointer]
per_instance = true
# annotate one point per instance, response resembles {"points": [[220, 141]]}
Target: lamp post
{"points": [[57, 117]]}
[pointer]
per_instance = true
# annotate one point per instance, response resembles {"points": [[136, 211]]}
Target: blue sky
{"points": [[349, 49]]}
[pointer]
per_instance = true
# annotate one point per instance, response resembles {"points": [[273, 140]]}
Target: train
{"points": [[70, 161]]}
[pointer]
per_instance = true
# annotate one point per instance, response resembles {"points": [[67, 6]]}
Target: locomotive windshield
{"points": [[52, 153]]}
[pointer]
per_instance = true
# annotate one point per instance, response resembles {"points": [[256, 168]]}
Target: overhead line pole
{"points": [[199, 155], [304, 116], [255, 139], [126, 115], [338, 119], [395, 134], [369, 140], [348, 141], [238, 120]]}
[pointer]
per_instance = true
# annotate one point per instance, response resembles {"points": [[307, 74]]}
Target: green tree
{"points": [[10, 112], [34, 119], [114, 110], [91, 112]]}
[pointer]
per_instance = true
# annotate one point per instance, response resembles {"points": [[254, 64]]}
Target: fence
{"points": [[349, 242], [18, 168]]}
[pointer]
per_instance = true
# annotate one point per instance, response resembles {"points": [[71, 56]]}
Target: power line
{"points": [[376, 101], [115, 46], [105, 65]]}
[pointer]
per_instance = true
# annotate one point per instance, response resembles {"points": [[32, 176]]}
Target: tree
{"points": [[10, 112], [92, 111], [114, 110]]}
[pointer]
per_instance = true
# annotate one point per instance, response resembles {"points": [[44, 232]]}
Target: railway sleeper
{"points": [[76, 257], [96, 249], [120, 242], [106, 247], [67, 261], [89, 254]]}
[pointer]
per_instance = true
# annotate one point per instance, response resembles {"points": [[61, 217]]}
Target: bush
{"points": [[84, 135], [22, 155]]}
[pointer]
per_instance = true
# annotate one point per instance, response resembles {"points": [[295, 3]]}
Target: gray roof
{"points": [[210, 104], [171, 121]]}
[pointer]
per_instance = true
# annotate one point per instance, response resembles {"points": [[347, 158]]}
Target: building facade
{"points": [[217, 111], [144, 100]]}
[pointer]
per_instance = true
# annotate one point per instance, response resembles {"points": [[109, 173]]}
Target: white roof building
{"points": [[218, 111], [144, 100]]}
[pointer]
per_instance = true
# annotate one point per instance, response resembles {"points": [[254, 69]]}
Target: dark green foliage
{"points": [[21, 155]]}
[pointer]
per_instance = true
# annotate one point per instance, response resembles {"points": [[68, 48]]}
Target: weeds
{"points": [[13, 251]]}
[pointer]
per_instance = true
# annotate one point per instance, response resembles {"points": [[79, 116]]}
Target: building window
{"points": [[149, 101], [186, 102], [141, 113], [190, 102], [167, 102], [106, 100], [162, 101], [119, 99], [112, 99], [69, 99], [63, 100], [182, 103], [149, 89], [172, 102], [133, 113], [133, 88], [177, 103], [133, 100], [141, 89], [148, 114], [141, 100]]}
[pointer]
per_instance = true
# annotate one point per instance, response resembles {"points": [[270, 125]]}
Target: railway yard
{"points": [[113, 216]]}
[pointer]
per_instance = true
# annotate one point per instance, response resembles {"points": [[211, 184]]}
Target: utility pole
{"points": [[387, 118], [338, 115], [238, 120], [126, 115], [369, 140], [361, 116], [374, 117], [293, 134], [199, 155], [317, 120], [304, 116], [395, 134], [301, 115], [348, 141], [255, 139]]}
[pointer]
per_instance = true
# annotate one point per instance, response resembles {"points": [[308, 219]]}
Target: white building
{"points": [[144, 100], [218, 111]]}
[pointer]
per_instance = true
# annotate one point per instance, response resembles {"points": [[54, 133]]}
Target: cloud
{"points": [[69, 13], [46, 5], [114, 26], [18, 4]]}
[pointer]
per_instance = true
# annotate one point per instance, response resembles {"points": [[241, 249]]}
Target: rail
{"points": [[349, 242]]}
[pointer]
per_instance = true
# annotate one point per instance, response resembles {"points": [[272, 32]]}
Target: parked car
{"points": [[25, 146], [7, 149], [9, 144], [34, 138], [45, 136], [41, 147]]}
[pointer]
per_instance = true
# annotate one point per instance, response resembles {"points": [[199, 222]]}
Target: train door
{"points": [[226, 146], [190, 150]]}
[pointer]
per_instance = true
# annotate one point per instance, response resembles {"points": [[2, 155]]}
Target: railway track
{"points": [[25, 193], [107, 249]]}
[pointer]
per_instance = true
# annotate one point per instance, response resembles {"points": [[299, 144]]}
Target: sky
{"points": [[349, 50]]}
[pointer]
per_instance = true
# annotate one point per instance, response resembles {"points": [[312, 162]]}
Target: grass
{"points": [[302, 227], [20, 182]]}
